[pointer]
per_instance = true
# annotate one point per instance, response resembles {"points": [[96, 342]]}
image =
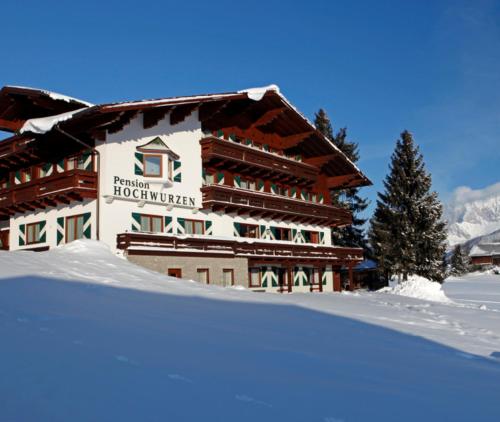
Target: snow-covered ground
{"points": [[86, 336]]}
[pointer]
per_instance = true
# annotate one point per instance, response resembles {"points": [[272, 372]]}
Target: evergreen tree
{"points": [[352, 235], [407, 232], [459, 261]]}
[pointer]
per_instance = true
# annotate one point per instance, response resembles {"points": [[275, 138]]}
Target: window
{"points": [[74, 228], [194, 227], [33, 233], [311, 237], [254, 277], [174, 272], [249, 230], [152, 165], [151, 223], [247, 184], [282, 233], [227, 277], [203, 275]]}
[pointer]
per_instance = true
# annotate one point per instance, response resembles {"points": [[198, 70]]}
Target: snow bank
{"points": [[45, 124], [418, 288]]}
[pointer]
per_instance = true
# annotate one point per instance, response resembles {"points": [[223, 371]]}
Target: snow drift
{"points": [[418, 288], [88, 336]]}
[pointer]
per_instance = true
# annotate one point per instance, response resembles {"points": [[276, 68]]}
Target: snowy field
{"points": [[86, 336]]}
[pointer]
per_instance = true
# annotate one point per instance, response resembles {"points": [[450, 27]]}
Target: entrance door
{"points": [[283, 278], [175, 272]]}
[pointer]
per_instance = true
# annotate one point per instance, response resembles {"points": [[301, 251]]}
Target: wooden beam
{"points": [[179, 113], [266, 118], [321, 160], [293, 140], [208, 110], [150, 118], [340, 181], [11, 125]]}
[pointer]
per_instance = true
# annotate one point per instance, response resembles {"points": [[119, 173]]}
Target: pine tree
{"points": [[407, 232], [352, 235], [459, 261]]}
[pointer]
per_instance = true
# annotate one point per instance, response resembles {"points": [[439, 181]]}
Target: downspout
{"points": [[98, 171]]}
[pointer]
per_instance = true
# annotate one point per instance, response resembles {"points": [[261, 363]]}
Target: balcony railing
{"points": [[228, 199], [74, 185], [249, 160], [151, 244]]}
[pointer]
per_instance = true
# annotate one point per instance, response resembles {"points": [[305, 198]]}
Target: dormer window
{"points": [[155, 154], [152, 165]]}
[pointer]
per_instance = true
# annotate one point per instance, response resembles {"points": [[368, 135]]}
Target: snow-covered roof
{"points": [[52, 94], [485, 249], [45, 124], [366, 264]]}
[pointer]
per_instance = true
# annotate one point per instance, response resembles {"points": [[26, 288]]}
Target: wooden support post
{"points": [[337, 285]]}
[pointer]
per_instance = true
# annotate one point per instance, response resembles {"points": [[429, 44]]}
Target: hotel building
{"points": [[227, 189]]}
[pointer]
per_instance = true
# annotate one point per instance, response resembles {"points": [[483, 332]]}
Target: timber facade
{"points": [[227, 189]]}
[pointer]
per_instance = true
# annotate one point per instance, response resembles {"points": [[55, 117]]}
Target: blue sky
{"points": [[377, 67]]}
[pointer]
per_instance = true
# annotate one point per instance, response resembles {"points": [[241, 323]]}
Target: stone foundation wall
{"points": [[189, 266]]}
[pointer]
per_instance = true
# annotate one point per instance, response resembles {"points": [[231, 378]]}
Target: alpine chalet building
{"points": [[227, 189]]}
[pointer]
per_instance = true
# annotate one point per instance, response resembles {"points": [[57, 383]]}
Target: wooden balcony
{"points": [[244, 159], [16, 151], [60, 188], [257, 252], [267, 205]]}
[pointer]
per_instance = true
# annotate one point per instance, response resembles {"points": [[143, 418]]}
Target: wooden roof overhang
{"points": [[18, 104], [270, 118]]}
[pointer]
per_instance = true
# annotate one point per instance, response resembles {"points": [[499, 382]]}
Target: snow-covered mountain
{"points": [[472, 214]]}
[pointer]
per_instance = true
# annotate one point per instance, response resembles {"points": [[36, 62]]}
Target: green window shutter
{"points": [[220, 133], [263, 275], [265, 147], [43, 233], [237, 181], [236, 229], [139, 164], [262, 232], [136, 222], [232, 137], [168, 224], [274, 188], [274, 231], [220, 178], [22, 234], [181, 225], [17, 177], [298, 157], [294, 235], [294, 192], [60, 166], [87, 226], [208, 227], [322, 238], [260, 185], [248, 141], [303, 236], [274, 277], [177, 171], [60, 230]]}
